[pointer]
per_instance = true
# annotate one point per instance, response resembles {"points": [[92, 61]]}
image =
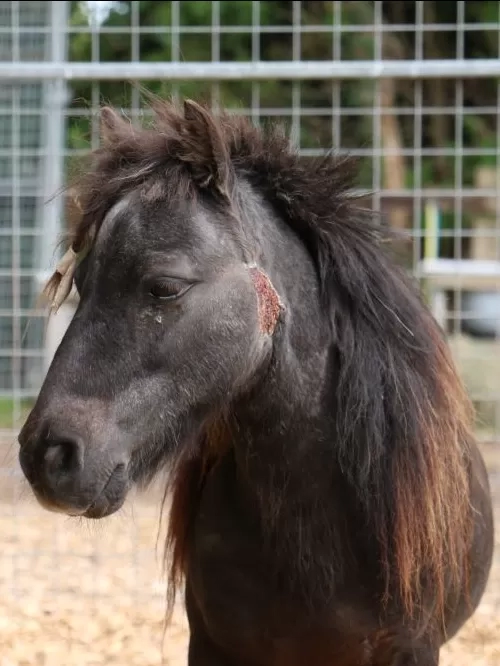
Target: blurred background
{"points": [[412, 88]]}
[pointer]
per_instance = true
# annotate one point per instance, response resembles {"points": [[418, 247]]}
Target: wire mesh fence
{"points": [[410, 88]]}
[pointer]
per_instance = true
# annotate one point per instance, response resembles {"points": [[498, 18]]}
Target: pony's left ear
{"points": [[209, 156], [113, 126]]}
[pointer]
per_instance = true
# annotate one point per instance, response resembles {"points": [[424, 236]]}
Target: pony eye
{"points": [[168, 290]]}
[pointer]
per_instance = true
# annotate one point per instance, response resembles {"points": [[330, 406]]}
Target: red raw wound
{"points": [[269, 302]]}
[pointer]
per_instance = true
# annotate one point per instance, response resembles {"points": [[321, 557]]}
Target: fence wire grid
{"points": [[411, 88]]}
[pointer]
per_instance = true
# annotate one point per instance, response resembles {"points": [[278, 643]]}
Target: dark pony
{"points": [[401, 439]]}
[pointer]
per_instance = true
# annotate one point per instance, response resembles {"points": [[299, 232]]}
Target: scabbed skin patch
{"points": [[269, 302]]}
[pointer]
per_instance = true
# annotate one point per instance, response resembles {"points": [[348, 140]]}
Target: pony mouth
{"points": [[109, 499], [102, 508], [112, 496]]}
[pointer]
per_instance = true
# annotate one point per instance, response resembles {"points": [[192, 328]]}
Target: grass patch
{"points": [[12, 414], [478, 363]]}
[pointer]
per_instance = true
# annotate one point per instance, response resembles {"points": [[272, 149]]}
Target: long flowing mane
{"points": [[403, 423]]}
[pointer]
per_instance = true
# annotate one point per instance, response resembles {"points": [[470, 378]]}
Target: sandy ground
{"points": [[74, 593]]}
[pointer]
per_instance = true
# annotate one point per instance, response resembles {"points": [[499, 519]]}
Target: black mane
{"points": [[403, 420]]}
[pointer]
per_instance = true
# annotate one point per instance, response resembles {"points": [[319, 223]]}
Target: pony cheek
{"points": [[248, 311]]}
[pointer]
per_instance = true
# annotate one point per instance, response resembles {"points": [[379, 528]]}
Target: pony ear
{"points": [[112, 125], [209, 156]]}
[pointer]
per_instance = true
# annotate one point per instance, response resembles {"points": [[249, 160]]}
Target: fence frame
{"points": [[252, 71], [56, 72]]}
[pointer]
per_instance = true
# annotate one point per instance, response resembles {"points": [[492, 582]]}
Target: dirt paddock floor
{"points": [[86, 594]]}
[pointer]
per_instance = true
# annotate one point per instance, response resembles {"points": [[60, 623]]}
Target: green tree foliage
{"points": [[274, 42], [320, 39]]}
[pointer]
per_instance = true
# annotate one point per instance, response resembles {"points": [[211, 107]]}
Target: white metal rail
{"points": [[251, 71]]}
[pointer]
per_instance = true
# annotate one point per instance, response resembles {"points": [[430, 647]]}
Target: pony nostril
{"points": [[63, 454]]}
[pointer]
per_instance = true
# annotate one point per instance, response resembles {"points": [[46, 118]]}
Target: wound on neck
{"points": [[269, 302]]}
